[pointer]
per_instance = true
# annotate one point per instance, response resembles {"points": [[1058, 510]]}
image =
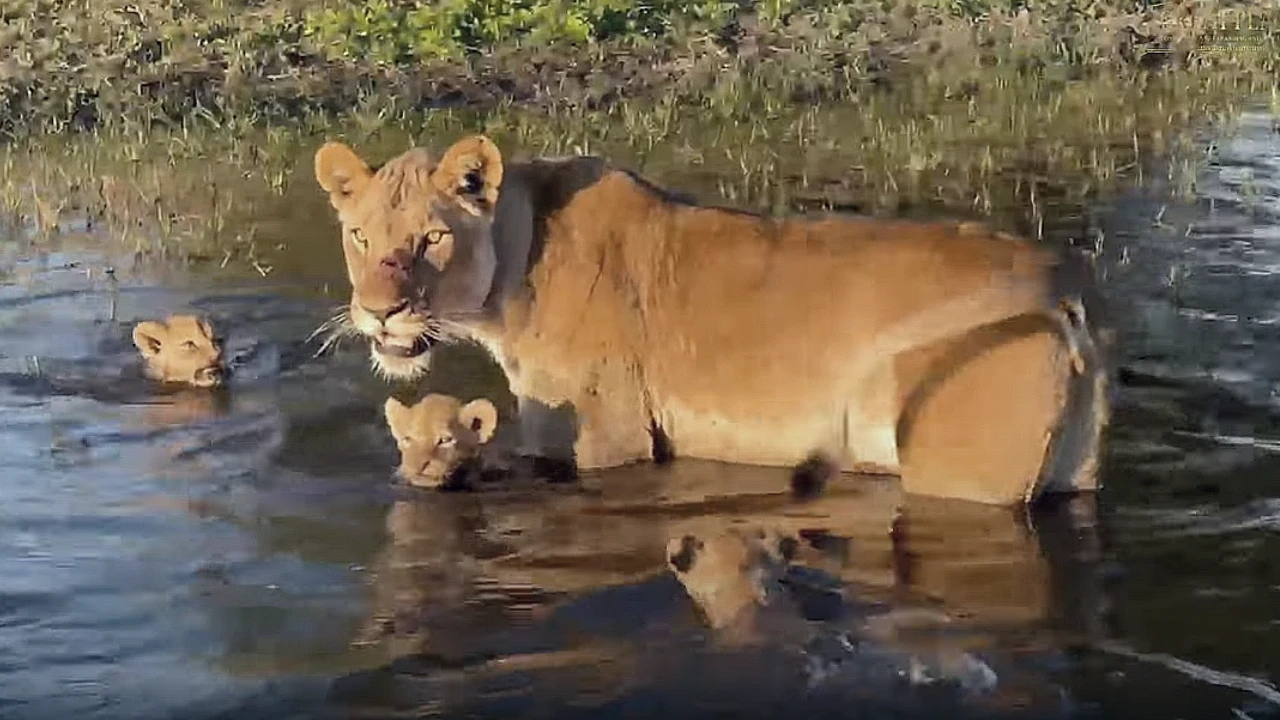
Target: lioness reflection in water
{"points": [[463, 575]]}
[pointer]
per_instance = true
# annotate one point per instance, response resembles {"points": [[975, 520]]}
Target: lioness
{"points": [[631, 324], [182, 349], [440, 439]]}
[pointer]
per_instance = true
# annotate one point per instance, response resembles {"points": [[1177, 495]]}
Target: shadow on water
{"points": [[244, 554]]}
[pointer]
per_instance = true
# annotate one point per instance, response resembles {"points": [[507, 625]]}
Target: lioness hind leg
{"points": [[1075, 456], [981, 432]]}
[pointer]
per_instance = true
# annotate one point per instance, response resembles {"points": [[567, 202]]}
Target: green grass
{"points": [[82, 64], [183, 129], [1024, 151]]}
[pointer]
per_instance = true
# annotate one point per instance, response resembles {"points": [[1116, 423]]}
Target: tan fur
{"points": [[439, 436], [629, 322], [181, 349], [731, 574]]}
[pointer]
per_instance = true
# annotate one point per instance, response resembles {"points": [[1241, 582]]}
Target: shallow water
{"points": [[237, 555]]}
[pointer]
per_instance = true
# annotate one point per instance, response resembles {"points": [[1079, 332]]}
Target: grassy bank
{"points": [[78, 64], [1033, 154], [183, 128]]}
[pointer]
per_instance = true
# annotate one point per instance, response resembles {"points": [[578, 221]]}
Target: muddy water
{"points": [[245, 555]]}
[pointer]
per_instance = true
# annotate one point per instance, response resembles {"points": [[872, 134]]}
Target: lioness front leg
{"points": [[569, 437], [612, 429], [545, 444]]}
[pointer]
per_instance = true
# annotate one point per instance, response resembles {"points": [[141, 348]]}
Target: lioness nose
{"points": [[398, 263], [381, 314]]}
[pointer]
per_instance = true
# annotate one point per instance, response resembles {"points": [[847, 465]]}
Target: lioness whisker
{"points": [[319, 329], [337, 327], [449, 329], [333, 322], [331, 341]]}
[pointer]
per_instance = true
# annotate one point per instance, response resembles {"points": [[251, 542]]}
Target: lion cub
{"points": [[732, 575], [441, 440], [181, 349]]}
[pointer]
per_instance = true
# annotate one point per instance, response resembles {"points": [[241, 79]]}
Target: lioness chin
{"points": [[632, 325]]}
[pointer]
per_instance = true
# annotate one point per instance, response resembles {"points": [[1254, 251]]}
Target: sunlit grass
{"points": [[1024, 150], [964, 109], [72, 65]]}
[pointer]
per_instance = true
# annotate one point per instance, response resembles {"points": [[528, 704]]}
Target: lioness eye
{"points": [[435, 236], [445, 440], [189, 345], [357, 236]]}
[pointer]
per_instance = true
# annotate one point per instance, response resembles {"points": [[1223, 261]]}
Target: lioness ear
{"points": [[471, 172], [481, 417], [393, 410], [148, 336], [340, 172]]}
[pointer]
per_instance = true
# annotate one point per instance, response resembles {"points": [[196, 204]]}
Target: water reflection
{"points": [[483, 585]]}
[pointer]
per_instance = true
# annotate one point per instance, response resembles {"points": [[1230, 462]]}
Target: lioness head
{"points": [[181, 349], [416, 238], [440, 438]]}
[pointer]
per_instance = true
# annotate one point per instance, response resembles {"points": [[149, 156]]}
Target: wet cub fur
{"points": [[440, 438], [181, 349]]}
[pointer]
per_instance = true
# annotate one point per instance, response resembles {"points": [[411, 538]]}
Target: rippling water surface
{"points": [[244, 555]]}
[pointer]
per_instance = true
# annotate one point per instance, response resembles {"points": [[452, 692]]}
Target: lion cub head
{"points": [[440, 438], [416, 237], [731, 575], [181, 349]]}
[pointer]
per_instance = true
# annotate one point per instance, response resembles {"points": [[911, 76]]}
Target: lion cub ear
{"points": [[479, 416], [471, 172], [341, 172], [394, 411], [148, 337]]}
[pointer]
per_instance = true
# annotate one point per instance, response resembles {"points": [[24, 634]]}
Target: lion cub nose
{"points": [[213, 374]]}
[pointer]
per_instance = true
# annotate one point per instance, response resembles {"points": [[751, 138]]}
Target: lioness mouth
{"points": [[418, 347]]}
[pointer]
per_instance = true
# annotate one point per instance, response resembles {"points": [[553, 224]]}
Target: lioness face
{"points": [[181, 349], [416, 235], [439, 437]]}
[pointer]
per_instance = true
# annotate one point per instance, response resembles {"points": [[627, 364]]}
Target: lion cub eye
{"points": [[357, 237], [446, 441], [189, 345], [434, 237]]}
